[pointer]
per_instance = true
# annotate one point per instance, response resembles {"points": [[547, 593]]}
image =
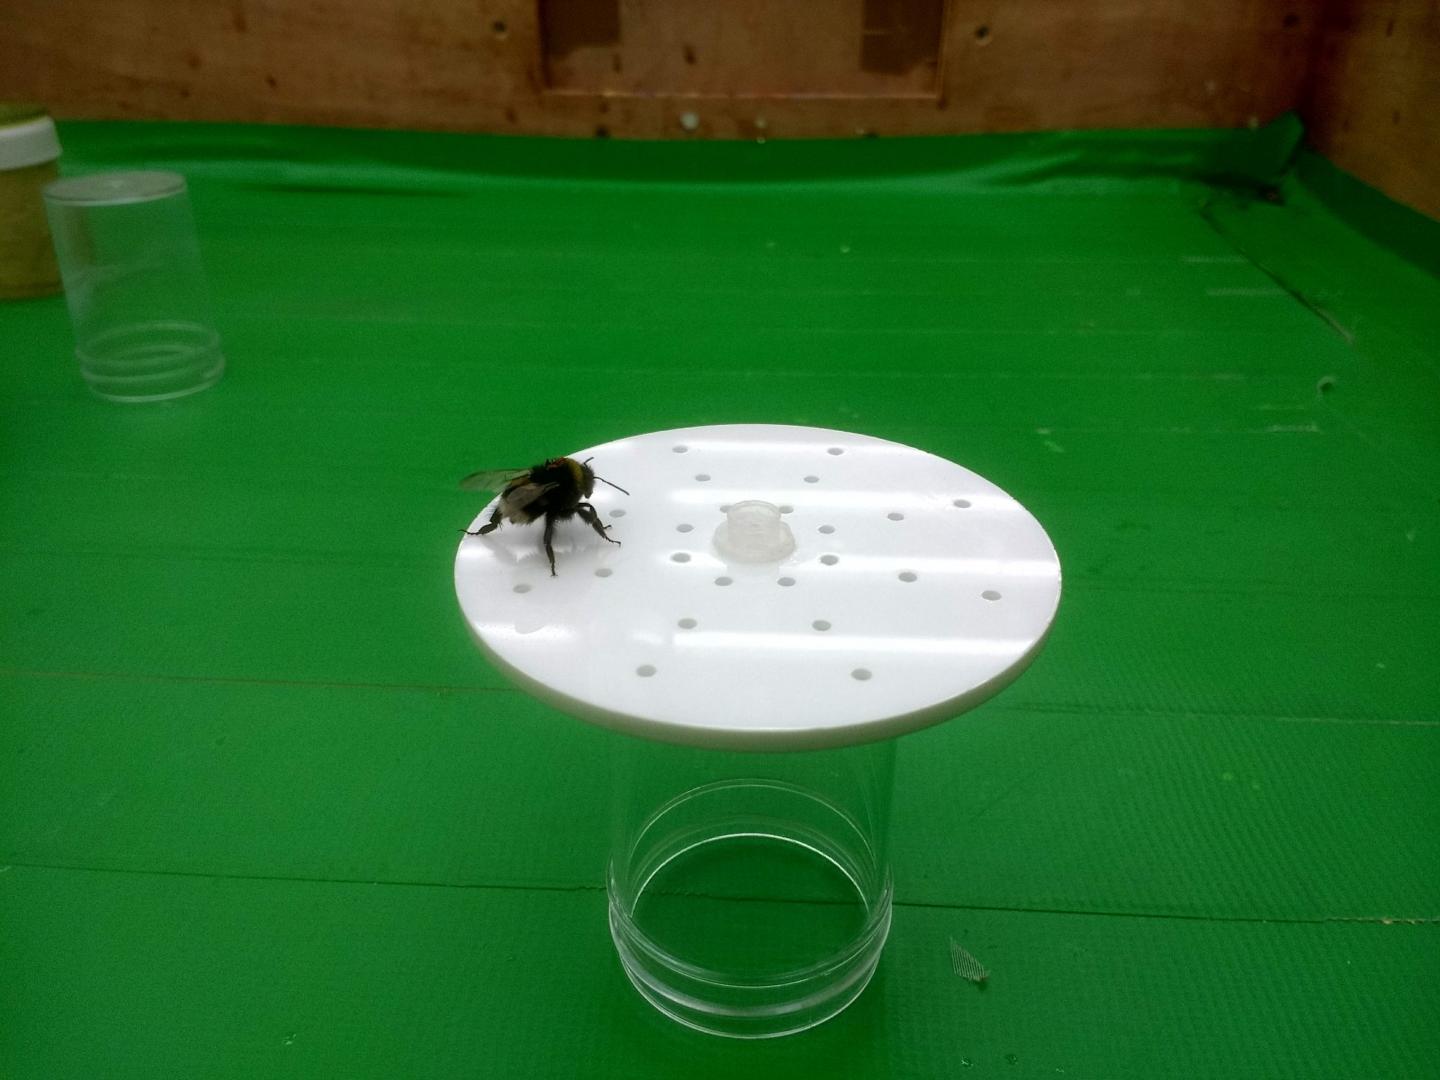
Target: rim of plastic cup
{"points": [[877, 920], [115, 188]]}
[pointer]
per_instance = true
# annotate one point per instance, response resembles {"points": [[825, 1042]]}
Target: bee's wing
{"points": [[491, 479], [522, 495]]}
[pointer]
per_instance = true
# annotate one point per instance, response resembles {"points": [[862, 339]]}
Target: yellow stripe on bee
{"points": [[574, 467]]}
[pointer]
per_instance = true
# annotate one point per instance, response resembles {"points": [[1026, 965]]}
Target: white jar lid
{"points": [[914, 590], [28, 142]]}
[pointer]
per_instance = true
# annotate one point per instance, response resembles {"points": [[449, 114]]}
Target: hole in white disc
{"points": [[645, 670], [860, 674], [907, 575]]}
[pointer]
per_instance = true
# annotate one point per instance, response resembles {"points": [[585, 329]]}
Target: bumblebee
{"points": [[554, 490]]}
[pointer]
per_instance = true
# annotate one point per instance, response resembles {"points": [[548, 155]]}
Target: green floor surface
{"points": [[265, 812]]}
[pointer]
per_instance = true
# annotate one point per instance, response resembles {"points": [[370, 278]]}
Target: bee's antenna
{"points": [[602, 479]]}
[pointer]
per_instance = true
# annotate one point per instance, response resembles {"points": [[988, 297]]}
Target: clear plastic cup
{"points": [[135, 285], [750, 893]]}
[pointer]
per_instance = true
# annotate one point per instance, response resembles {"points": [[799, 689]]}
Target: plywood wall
{"points": [[1373, 102], [1364, 71], [664, 68]]}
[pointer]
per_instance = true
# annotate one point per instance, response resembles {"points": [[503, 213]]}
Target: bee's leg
{"points": [[549, 535], [491, 527], [588, 515]]}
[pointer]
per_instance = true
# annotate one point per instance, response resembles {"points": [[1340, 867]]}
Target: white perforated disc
{"points": [[915, 591]]}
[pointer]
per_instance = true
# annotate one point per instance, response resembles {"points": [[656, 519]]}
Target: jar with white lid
{"points": [[29, 150]]}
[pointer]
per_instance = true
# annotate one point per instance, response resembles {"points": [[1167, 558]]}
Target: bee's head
{"points": [[587, 478], [584, 476]]}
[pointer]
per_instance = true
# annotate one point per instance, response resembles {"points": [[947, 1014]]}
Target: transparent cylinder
{"points": [[139, 304], [750, 892]]}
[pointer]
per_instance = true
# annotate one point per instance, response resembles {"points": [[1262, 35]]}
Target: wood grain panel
{"points": [[744, 48], [482, 65], [1373, 105]]}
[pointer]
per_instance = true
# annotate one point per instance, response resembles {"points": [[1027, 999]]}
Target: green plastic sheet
{"points": [[266, 812]]}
